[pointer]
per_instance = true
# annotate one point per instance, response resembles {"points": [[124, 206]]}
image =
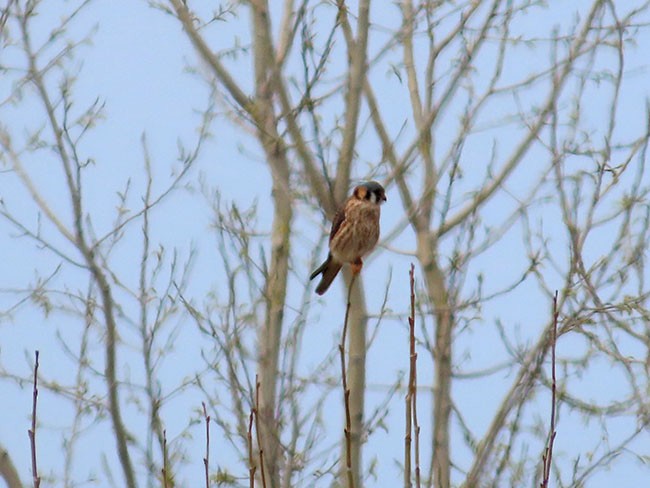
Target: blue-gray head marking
{"points": [[374, 192]]}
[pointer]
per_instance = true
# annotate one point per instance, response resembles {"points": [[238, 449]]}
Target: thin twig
{"points": [[257, 430], [5, 15], [251, 460], [206, 459], [547, 457], [164, 468], [346, 392], [412, 426], [409, 412], [413, 378], [32, 431], [407, 439]]}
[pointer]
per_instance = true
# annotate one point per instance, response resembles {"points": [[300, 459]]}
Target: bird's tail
{"points": [[329, 270]]}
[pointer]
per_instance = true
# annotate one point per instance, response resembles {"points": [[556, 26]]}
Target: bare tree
{"points": [[512, 138]]}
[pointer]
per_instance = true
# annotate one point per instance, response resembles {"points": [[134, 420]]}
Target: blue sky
{"points": [[141, 65]]}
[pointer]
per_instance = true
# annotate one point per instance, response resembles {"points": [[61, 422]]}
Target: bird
{"points": [[355, 232]]}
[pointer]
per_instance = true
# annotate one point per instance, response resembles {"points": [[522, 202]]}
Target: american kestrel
{"points": [[355, 232]]}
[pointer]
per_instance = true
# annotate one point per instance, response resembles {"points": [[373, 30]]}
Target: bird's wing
{"points": [[339, 217]]}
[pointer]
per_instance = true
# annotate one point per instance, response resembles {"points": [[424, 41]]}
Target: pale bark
{"points": [[276, 280], [8, 471]]}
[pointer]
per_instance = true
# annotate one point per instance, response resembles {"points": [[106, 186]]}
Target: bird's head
{"points": [[370, 191]]}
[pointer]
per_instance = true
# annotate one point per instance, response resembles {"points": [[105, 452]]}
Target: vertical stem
{"points": [[275, 291], [407, 442], [257, 430], [413, 377], [356, 371], [346, 392], [251, 459], [357, 52], [32, 431], [164, 468], [206, 459], [547, 457], [442, 354], [411, 396]]}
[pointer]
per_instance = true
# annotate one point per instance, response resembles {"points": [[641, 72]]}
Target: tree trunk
{"points": [[442, 354]]}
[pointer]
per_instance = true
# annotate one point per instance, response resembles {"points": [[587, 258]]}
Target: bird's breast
{"points": [[358, 234]]}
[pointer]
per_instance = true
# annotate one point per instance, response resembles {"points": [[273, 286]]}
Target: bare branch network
{"points": [[169, 173]]}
